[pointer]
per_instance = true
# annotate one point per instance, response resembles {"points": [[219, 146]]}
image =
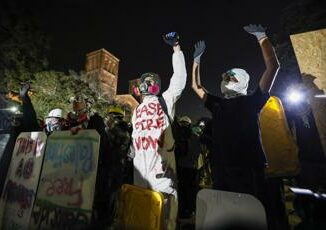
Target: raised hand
{"points": [[199, 50], [257, 30], [24, 90], [171, 38]]}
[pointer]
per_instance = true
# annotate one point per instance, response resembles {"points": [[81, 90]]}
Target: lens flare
{"points": [[295, 96]]}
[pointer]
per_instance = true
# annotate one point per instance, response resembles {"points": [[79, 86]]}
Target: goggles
{"points": [[229, 76]]}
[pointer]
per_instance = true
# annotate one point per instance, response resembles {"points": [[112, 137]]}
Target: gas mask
{"points": [[235, 83], [150, 84]]}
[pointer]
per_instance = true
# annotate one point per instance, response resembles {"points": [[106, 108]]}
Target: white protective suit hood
{"points": [[233, 89]]}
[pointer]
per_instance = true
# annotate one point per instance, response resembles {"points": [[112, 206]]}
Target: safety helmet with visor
{"points": [[54, 120]]}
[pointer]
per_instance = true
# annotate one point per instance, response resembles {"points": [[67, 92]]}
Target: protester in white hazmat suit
{"points": [[153, 142]]}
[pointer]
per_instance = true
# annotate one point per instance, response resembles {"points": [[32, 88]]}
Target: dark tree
{"points": [[23, 46]]}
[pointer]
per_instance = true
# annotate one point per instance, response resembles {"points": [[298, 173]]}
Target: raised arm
{"points": [[196, 84], [270, 58], [29, 114], [179, 77], [271, 63]]}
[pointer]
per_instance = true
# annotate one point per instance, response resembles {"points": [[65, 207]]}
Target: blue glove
{"points": [[171, 38], [257, 30], [199, 50]]}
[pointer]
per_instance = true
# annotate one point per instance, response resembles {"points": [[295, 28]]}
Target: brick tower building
{"points": [[102, 69], [102, 73]]}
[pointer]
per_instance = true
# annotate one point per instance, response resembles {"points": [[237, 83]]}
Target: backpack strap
{"points": [[165, 110], [164, 107]]}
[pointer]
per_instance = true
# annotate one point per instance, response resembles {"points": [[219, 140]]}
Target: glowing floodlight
{"points": [[295, 96], [13, 109]]}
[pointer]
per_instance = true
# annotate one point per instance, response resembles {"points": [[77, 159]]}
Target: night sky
{"points": [[133, 34]]}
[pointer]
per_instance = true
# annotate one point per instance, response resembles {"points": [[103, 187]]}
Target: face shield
{"points": [[234, 83], [53, 124]]}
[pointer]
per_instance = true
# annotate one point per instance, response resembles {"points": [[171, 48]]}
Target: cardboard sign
{"points": [[20, 187], [66, 189]]}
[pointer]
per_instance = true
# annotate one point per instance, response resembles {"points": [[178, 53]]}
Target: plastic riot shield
{"points": [[217, 209], [279, 145], [18, 195], [65, 194], [4, 138]]}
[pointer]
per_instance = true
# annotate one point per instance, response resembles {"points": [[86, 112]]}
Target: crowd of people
{"points": [[167, 153]]}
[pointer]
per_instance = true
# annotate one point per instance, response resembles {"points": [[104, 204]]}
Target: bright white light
{"points": [[295, 96], [301, 191], [13, 109], [320, 96]]}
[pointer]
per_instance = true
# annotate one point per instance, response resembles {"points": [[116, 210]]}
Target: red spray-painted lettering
{"points": [[145, 143], [65, 186], [150, 109], [148, 124], [27, 145], [149, 142]]}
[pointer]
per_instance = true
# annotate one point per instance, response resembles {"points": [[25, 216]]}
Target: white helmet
{"points": [[56, 113]]}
